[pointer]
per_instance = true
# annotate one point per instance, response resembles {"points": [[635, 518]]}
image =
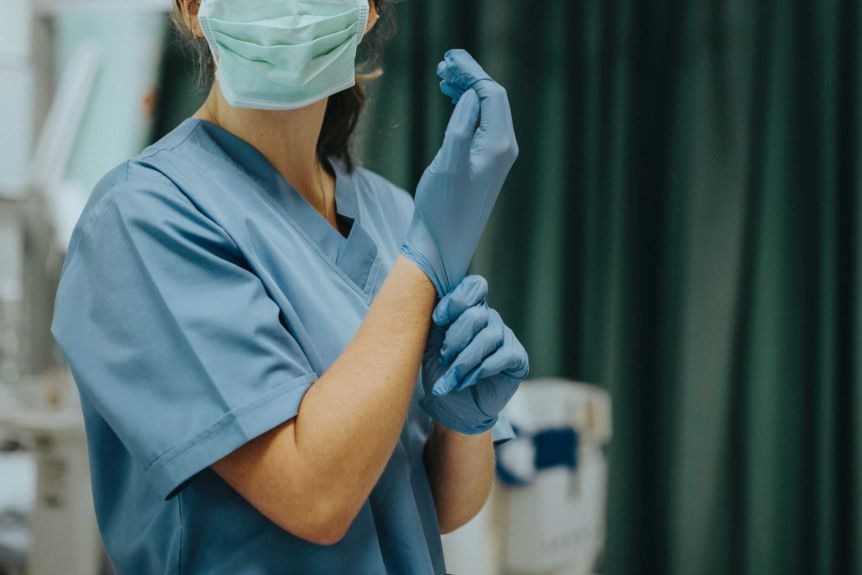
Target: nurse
{"points": [[283, 366]]}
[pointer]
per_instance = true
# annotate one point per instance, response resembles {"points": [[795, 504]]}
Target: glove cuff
{"points": [[421, 249], [447, 418]]}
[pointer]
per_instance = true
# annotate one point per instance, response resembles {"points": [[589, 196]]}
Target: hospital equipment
{"points": [[16, 500], [283, 54], [547, 514], [117, 118], [10, 340], [473, 362], [60, 198], [556, 477], [18, 95], [458, 191], [63, 533], [42, 191]]}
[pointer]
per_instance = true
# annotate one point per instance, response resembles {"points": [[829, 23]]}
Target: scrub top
{"points": [[200, 299]]}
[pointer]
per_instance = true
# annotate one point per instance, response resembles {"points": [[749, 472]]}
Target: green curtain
{"points": [[682, 228]]}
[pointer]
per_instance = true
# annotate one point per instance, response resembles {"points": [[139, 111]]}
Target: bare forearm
{"points": [[312, 474], [461, 472], [350, 420]]}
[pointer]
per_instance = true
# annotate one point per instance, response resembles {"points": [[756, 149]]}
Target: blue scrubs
{"points": [[201, 297]]}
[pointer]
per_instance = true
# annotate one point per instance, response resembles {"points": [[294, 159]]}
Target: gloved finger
{"points": [[470, 292], [491, 339], [461, 333], [510, 360], [463, 71], [436, 335], [451, 91], [455, 151], [485, 343], [454, 91], [492, 398]]}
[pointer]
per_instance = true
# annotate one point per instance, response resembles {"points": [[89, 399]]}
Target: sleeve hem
{"points": [[174, 468]]}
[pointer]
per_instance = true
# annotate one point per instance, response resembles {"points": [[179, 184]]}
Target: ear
{"points": [[189, 10], [373, 16]]}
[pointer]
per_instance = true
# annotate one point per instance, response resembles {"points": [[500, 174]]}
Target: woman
{"points": [[247, 318]]}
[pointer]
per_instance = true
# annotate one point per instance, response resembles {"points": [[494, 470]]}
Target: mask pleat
{"points": [[283, 54]]}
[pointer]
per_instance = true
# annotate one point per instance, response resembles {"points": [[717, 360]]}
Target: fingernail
{"points": [[444, 386], [451, 381]]}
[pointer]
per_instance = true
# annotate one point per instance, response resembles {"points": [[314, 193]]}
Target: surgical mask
{"points": [[283, 54]]}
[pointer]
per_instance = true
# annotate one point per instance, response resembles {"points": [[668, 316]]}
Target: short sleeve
{"points": [[170, 336]]}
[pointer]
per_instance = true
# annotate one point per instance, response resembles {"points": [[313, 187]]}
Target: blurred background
{"points": [[682, 230]]}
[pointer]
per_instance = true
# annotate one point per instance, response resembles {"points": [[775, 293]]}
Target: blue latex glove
{"points": [[459, 189], [473, 363]]}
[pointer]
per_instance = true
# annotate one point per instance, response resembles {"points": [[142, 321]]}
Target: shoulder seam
{"points": [[110, 193], [157, 150], [110, 197]]}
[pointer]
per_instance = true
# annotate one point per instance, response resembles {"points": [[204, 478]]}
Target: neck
{"points": [[287, 138]]}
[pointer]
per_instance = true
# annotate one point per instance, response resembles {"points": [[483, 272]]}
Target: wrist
{"points": [[420, 247], [443, 435], [469, 422], [442, 430], [418, 276]]}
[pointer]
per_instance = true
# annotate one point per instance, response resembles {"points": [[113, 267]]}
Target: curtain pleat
{"points": [[682, 227]]}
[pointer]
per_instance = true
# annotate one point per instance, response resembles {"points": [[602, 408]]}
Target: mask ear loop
{"points": [[365, 7], [196, 6], [202, 22]]}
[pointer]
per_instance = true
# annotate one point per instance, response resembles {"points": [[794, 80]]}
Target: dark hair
{"points": [[344, 108]]}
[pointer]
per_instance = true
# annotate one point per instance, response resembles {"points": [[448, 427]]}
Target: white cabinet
{"points": [[51, 6], [16, 94], [15, 31], [16, 127]]}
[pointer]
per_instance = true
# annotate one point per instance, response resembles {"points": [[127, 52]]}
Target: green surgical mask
{"points": [[283, 54]]}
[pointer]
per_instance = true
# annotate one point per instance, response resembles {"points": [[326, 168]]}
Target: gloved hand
{"points": [[473, 363], [459, 189]]}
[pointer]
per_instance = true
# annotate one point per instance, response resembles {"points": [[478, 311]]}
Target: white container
{"points": [[556, 523]]}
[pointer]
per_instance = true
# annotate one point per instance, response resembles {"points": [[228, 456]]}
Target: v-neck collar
{"points": [[354, 255]]}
